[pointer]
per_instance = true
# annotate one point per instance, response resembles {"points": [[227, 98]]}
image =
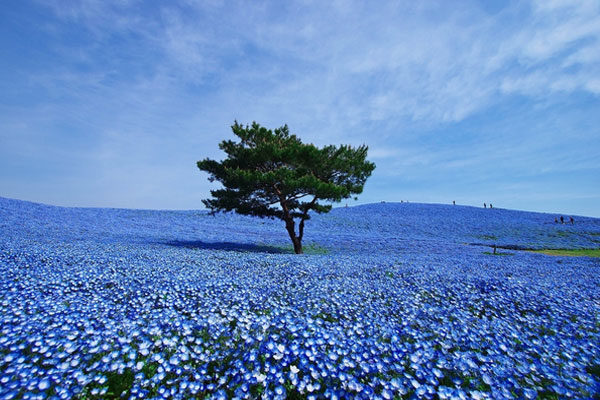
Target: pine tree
{"points": [[273, 174]]}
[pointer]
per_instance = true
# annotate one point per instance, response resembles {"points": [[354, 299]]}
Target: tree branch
{"points": [[304, 218], [291, 198]]}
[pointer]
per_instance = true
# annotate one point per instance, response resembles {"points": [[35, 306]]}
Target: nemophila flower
{"points": [[421, 314]]}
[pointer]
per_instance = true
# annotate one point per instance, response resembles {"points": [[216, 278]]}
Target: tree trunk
{"points": [[289, 225], [301, 230], [298, 246]]}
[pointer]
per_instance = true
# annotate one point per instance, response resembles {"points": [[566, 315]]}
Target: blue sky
{"points": [[111, 103]]}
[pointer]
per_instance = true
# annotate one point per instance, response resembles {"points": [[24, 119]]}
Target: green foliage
{"points": [[119, 383], [593, 369], [489, 253], [310, 248], [570, 252], [273, 174]]}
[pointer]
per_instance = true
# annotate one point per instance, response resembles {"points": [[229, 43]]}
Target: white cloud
{"points": [[165, 82], [349, 62]]}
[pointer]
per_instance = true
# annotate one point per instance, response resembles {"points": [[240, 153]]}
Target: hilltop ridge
{"points": [[392, 225]]}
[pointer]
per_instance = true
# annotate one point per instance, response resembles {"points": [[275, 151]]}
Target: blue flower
{"points": [[378, 317]]}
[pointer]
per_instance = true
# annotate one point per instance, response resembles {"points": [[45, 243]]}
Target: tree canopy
{"points": [[271, 173]]}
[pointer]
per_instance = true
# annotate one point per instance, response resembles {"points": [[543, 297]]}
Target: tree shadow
{"points": [[227, 246]]}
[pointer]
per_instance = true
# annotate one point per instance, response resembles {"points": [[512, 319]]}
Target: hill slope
{"points": [[381, 227], [111, 303]]}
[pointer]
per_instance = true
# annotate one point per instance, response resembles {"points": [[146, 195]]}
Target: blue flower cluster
{"points": [[108, 303]]}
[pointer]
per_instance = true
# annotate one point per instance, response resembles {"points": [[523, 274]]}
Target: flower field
{"points": [[391, 301]]}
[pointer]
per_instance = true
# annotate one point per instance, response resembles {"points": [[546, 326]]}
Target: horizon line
{"points": [[335, 206]]}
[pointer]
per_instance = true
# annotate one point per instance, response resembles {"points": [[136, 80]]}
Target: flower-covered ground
{"points": [[391, 301]]}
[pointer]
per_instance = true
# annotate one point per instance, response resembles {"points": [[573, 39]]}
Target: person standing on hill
{"points": [[572, 220], [491, 205], [484, 205], [562, 220]]}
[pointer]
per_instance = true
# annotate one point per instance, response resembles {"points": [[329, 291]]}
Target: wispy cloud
{"points": [[438, 90], [401, 60]]}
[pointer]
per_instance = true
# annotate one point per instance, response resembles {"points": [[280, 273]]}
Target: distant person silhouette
{"points": [[453, 202], [484, 205], [562, 220], [572, 220], [491, 205]]}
